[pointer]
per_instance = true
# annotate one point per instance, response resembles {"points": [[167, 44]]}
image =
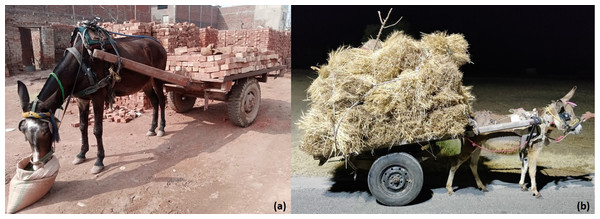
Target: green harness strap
{"points": [[61, 87]]}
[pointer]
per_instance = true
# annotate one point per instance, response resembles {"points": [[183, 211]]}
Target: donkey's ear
{"points": [[569, 95], [23, 96]]}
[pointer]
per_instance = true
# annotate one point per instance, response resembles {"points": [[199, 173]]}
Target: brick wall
{"points": [[62, 39], [55, 39]]}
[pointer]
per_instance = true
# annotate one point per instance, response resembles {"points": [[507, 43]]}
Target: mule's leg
{"points": [[524, 166], [533, 155], [154, 101], [84, 111], [158, 88], [460, 160], [473, 165], [98, 104]]}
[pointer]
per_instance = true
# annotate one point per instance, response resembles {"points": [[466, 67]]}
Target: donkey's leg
{"points": [[154, 101], [473, 165], [460, 160], [533, 155], [98, 104], [158, 88], [84, 111], [524, 166]]}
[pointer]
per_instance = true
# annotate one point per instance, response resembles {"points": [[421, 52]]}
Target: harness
{"points": [[563, 117]]}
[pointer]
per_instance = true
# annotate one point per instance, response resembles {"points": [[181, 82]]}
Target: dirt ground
{"points": [[204, 164], [574, 156]]}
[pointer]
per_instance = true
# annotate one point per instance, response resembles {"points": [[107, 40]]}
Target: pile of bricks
{"points": [[208, 36], [131, 27], [177, 35], [125, 109], [264, 39], [241, 60]]}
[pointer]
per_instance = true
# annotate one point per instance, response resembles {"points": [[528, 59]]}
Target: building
{"points": [[36, 35]]}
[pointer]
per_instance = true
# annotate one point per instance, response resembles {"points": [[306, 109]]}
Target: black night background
{"points": [[524, 41]]}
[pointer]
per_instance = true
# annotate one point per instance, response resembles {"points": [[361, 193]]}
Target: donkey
{"points": [[72, 76], [558, 115]]}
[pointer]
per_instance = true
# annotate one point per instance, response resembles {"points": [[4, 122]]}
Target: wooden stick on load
{"points": [[383, 21]]}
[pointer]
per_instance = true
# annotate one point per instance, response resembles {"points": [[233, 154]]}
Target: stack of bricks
{"points": [[240, 60], [208, 36], [177, 35], [264, 39], [131, 27]]}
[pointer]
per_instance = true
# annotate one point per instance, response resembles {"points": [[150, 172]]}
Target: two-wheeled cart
{"points": [[241, 91], [395, 174]]}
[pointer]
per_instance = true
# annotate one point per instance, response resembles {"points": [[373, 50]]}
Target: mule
{"points": [[558, 115], [71, 77]]}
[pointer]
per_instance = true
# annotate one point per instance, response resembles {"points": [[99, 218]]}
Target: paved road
{"points": [[327, 195]]}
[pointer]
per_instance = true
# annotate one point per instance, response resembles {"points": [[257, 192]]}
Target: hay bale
{"points": [[406, 91], [454, 45]]}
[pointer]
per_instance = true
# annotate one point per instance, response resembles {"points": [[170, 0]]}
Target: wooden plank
{"points": [[147, 70], [504, 126]]}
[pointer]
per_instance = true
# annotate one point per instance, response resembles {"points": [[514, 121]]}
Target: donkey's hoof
{"points": [[78, 160], [524, 189], [150, 133], [160, 133], [97, 169]]}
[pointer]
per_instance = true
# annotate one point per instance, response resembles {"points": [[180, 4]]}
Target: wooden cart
{"points": [[241, 91], [395, 175]]}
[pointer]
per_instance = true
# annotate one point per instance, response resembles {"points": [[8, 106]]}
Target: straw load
{"points": [[406, 91]]}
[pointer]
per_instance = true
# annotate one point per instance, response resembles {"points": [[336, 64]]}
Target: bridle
{"points": [[563, 117]]}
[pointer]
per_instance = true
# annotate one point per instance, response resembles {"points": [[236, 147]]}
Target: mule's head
{"points": [[38, 131], [563, 115]]}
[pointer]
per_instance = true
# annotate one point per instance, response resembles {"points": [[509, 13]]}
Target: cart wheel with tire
{"points": [[180, 102], [395, 179], [243, 102]]}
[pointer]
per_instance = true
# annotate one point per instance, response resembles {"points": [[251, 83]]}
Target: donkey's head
{"points": [[562, 114], [40, 129]]}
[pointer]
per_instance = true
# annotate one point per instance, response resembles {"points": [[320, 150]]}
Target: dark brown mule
{"points": [[73, 79], [558, 115]]}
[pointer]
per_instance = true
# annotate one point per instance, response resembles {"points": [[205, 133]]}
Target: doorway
{"points": [[31, 48]]}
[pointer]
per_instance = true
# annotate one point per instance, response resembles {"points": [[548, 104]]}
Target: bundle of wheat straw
{"points": [[406, 91]]}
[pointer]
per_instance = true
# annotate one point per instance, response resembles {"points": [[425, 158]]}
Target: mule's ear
{"points": [[569, 95], [23, 96]]}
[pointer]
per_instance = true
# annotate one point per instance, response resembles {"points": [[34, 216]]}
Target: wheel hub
{"points": [[249, 102], [395, 178]]}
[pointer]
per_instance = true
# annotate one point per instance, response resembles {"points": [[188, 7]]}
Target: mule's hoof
{"points": [[538, 196], [160, 133], [484, 190], [78, 160], [97, 169], [150, 133]]}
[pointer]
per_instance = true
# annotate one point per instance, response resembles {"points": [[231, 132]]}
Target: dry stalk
{"points": [[383, 21]]}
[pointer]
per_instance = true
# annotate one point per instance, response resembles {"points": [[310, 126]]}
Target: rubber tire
{"points": [[180, 103], [237, 95], [387, 196]]}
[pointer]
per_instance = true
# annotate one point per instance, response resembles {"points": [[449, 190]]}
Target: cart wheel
{"points": [[244, 101], [395, 179], [179, 102]]}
